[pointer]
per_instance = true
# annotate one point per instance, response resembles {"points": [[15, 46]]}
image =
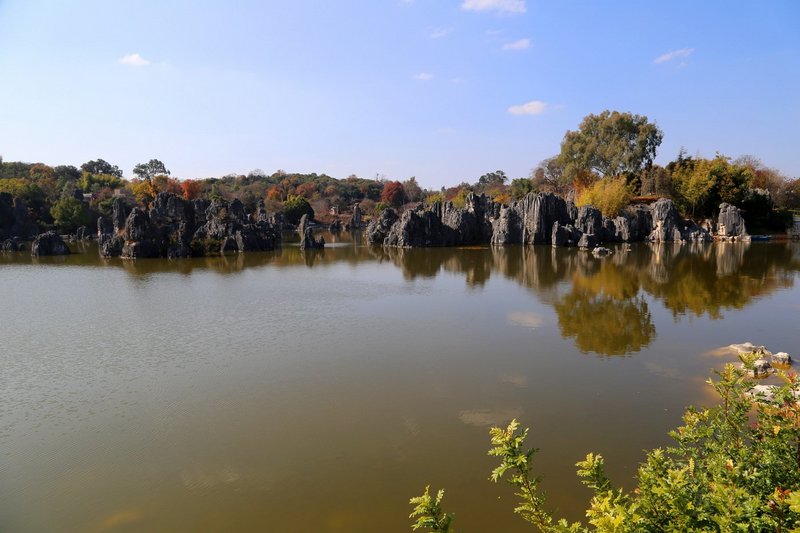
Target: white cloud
{"points": [[521, 44], [134, 60], [535, 107], [673, 54], [438, 33], [501, 6], [423, 76]]}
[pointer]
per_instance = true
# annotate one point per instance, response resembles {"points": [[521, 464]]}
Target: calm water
{"points": [[318, 392]]}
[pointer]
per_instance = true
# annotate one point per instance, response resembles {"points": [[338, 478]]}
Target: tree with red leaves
{"points": [[191, 189], [393, 193]]}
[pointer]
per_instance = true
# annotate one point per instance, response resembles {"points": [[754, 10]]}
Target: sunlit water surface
{"points": [[319, 391]]}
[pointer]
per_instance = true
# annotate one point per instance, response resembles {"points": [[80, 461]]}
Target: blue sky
{"points": [[444, 90]]}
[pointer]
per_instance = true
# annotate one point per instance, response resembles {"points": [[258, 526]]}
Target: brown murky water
{"points": [[319, 391]]}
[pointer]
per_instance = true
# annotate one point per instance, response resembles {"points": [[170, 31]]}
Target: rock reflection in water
{"points": [[604, 305]]}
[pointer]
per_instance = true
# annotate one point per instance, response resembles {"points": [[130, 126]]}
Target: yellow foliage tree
{"points": [[609, 195]]}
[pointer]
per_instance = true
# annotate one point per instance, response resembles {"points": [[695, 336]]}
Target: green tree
{"points": [[701, 184], [99, 166], [491, 180], [520, 187], [295, 207], [69, 214], [412, 189], [94, 182], [790, 194], [548, 176], [610, 144], [148, 171]]}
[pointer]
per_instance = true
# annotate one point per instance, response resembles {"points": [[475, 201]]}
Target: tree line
{"points": [[608, 161]]}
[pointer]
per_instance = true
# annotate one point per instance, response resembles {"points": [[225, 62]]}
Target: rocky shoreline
{"points": [[544, 218], [174, 227]]}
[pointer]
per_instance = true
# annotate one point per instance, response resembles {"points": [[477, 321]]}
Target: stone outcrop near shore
{"points": [[538, 218], [730, 224], [307, 240], [49, 243], [174, 227]]}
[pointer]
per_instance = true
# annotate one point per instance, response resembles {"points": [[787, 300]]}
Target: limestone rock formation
{"points": [[12, 245], [83, 234], [666, 222], [174, 227], [566, 235], [420, 227], [538, 218], [49, 244], [507, 227], [587, 241], [307, 240], [378, 228], [730, 224]]}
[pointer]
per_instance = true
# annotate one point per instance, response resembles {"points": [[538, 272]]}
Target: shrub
{"points": [[460, 199], [433, 198], [69, 214], [724, 473], [609, 195], [295, 207]]}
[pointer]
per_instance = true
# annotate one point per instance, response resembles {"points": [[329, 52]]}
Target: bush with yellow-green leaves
{"points": [[733, 467]]}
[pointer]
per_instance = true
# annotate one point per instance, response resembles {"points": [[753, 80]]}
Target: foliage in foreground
{"points": [[733, 467]]}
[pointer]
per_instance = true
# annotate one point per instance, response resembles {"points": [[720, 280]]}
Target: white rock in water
{"points": [[749, 347], [782, 358], [745, 347], [600, 251]]}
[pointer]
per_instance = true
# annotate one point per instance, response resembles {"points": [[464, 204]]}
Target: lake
{"points": [[319, 391]]}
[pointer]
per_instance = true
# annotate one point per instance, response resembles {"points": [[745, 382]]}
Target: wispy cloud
{"points": [[521, 44], [535, 107], [501, 6], [423, 76], [134, 60], [438, 33], [673, 54]]}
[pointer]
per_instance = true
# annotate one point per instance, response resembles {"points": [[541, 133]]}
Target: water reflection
{"points": [[228, 392], [604, 305]]}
